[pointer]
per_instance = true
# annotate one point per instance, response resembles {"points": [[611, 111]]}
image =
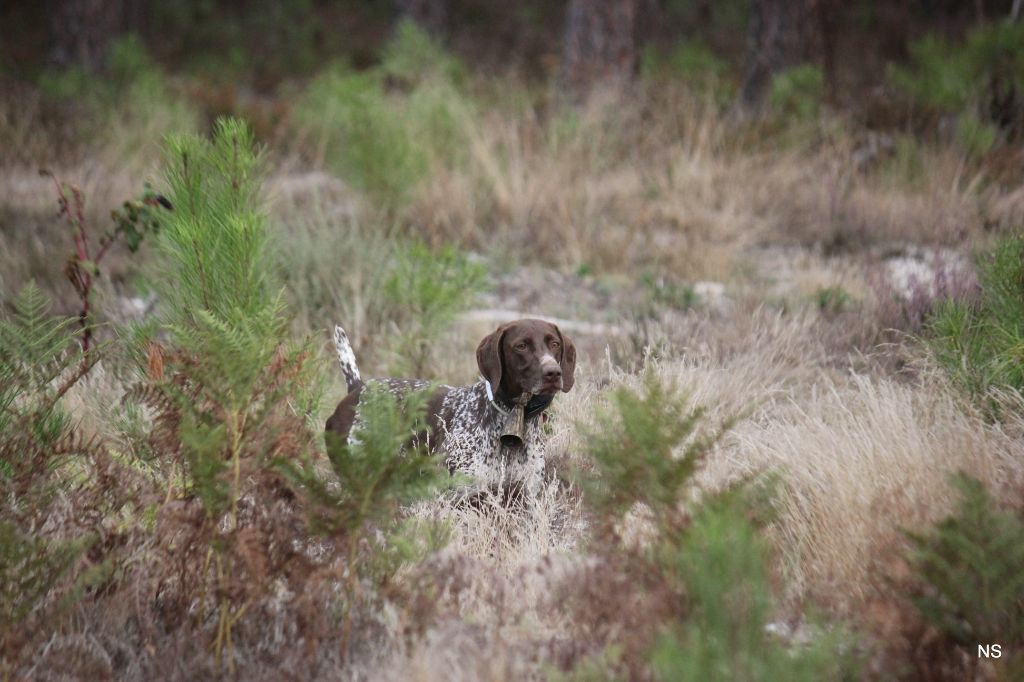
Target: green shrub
{"points": [[231, 392], [335, 269], [951, 76], [938, 74], [666, 291], [235, 402], [693, 64], [633, 452], [832, 300], [386, 128], [425, 290], [212, 248], [40, 361], [797, 92], [129, 108], [377, 285], [413, 56], [979, 342], [375, 480], [972, 566], [976, 136], [216, 39], [35, 352], [722, 561], [981, 80], [705, 560], [231, 364]]}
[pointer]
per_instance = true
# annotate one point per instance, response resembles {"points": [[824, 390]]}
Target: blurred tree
{"points": [[81, 31], [432, 15], [782, 34], [599, 43]]}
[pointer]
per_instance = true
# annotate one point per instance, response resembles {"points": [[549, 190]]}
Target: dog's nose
{"points": [[552, 373]]}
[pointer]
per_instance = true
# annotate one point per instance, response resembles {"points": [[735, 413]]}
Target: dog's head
{"points": [[527, 356]]}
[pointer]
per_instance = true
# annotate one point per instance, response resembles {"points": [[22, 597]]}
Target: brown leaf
{"points": [[155, 361]]}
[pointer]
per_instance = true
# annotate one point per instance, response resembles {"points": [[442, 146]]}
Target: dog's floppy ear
{"points": [[488, 357], [568, 361]]}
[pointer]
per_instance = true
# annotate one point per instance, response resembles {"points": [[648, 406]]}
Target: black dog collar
{"points": [[534, 406]]}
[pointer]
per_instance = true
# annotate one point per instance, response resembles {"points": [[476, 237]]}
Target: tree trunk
{"points": [[599, 43], [81, 31], [431, 15], [783, 34]]}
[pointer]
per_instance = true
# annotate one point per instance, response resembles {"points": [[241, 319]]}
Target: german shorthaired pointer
{"points": [[491, 430]]}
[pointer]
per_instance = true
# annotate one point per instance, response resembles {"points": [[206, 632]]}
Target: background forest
{"points": [[786, 237]]}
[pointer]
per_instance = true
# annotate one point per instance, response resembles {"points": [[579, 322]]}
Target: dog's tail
{"points": [[346, 358]]}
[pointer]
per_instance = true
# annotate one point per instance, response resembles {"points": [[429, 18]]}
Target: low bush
{"points": [[980, 79], [723, 562], [219, 516], [395, 297], [129, 109], [686, 578], [978, 342], [384, 129], [693, 64], [46, 470], [972, 568], [425, 291], [796, 93]]}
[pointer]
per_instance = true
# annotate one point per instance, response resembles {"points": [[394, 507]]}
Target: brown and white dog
{"points": [[491, 430]]}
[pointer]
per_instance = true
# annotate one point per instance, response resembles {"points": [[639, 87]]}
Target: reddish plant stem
{"points": [[80, 277]]}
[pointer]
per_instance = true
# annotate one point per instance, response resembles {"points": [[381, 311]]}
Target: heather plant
{"points": [[910, 307]]}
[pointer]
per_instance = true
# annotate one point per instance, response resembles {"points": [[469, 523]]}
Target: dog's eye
{"points": [[555, 345], [520, 346]]}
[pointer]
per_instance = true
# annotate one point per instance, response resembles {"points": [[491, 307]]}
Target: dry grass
{"points": [[859, 459], [653, 178], [502, 623], [645, 180], [861, 453]]}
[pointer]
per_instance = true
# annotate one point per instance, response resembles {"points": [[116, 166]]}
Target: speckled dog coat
{"points": [[466, 422]]}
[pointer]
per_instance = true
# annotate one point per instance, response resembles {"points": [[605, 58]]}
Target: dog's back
{"points": [[522, 363]]}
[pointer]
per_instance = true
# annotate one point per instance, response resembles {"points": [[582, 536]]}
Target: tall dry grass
{"points": [[647, 179], [654, 177], [860, 454]]}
